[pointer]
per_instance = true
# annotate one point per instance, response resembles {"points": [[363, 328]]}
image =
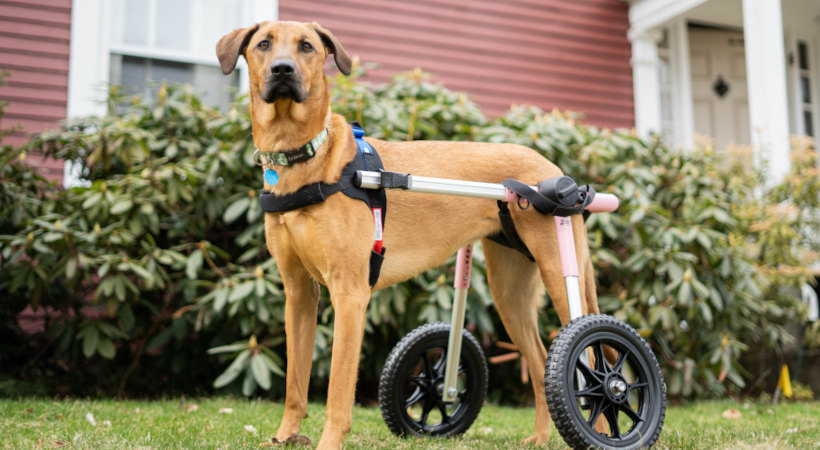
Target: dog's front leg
{"points": [[301, 303], [350, 306]]}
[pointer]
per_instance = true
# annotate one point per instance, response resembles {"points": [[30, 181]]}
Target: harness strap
{"points": [[314, 193], [571, 198], [509, 237], [557, 196], [377, 198]]}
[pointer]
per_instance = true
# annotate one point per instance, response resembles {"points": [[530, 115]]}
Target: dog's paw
{"points": [[296, 440], [538, 439]]}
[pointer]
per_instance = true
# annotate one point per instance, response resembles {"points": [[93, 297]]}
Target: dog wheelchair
{"points": [[435, 379]]}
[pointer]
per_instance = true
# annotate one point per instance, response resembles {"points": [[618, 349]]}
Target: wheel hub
{"points": [[615, 388]]}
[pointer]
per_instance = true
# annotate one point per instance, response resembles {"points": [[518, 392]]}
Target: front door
{"points": [[720, 99]]}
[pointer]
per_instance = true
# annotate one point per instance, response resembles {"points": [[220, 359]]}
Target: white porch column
{"points": [[766, 76], [646, 82], [683, 115]]}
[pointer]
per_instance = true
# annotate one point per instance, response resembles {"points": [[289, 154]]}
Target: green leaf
{"points": [[228, 348], [70, 267], [232, 371], [51, 237], [241, 291], [92, 200], [159, 339], [106, 348], [272, 366], [235, 210], [121, 206], [260, 372], [220, 298], [249, 384], [90, 340], [194, 264], [127, 318], [148, 276]]}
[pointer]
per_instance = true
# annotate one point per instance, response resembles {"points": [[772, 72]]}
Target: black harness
{"points": [[557, 196], [366, 159]]}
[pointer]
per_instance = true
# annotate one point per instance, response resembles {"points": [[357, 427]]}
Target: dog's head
{"points": [[285, 59]]}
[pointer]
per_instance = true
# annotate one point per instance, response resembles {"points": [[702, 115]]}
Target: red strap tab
{"points": [[378, 238]]}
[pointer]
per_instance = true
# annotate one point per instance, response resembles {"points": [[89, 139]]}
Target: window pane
{"points": [[805, 90], [135, 25], [215, 88], [808, 123], [174, 25], [172, 72], [133, 73], [803, 55], [143, 76], [218, 18]]}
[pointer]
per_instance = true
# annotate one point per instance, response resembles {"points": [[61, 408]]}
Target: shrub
{"points": [[162, 261]]}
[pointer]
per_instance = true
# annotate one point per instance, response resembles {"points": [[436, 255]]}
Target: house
{"points": [[741, 71]]}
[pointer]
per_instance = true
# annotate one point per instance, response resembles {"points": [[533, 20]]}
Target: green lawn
{"points": [[37, 423]]}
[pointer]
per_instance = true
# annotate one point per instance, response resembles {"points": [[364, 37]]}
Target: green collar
{"points": [[291, 157]]}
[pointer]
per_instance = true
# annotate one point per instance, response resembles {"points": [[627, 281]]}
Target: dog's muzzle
{"points": [[283, 81]]}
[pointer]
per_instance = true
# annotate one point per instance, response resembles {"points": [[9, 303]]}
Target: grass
{"points": [[45, 423]]}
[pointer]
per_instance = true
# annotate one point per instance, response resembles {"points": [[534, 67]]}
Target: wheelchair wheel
{"points": [[626, 398], [410, 388]]}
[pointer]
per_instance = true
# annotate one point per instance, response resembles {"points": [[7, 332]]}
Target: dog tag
{"points": [[271, 177]]}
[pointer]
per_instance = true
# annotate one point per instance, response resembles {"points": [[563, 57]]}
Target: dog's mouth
{"points": [[279, 90]]}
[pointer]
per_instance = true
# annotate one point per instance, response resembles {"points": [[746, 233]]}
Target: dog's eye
{"points": [[263, 45], [306, 47]]}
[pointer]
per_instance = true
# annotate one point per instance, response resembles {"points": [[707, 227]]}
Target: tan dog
{"points": [[329, 243]]}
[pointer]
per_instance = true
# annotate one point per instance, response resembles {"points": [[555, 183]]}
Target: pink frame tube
{"points": [[566, 246], [603, 203], [464, 263]]}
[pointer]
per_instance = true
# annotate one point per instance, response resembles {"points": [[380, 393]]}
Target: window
{"points": [[807, 107], [154, 41]]}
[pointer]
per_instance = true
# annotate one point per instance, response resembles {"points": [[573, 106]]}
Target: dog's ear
{"points": [[232, 45], [333, 46]]}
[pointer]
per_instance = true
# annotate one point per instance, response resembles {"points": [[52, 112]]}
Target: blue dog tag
{"points": [[271, 177]]}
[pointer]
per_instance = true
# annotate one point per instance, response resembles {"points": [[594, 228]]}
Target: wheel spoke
{"points": [[589, 392], [439, 366], [636, 386], [597, 407], [626, 409], [619, 364], [425, 411], [600, 360], [611, 415], [414, 398], [428, 369], [445, 418], [589, 375]]}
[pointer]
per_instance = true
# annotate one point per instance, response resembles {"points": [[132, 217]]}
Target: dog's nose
{"points": [[282, 68]]}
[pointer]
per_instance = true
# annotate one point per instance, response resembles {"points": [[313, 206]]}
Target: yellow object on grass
{"points": [[784, 383]]}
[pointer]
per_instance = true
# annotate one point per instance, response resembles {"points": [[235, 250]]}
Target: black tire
{"points": [[629, 393], [409, 389]]}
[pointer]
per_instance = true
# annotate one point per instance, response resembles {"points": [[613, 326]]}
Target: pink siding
{"points": [[34, 51], [550, 53]]}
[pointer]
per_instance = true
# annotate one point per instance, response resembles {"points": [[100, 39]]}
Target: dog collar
{"points": [[291, 157]]}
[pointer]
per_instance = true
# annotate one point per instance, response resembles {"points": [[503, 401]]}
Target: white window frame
{"points": [[797, 106], [90, 58]]}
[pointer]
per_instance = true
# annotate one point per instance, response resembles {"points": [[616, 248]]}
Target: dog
{"points": [[329, 243]]}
